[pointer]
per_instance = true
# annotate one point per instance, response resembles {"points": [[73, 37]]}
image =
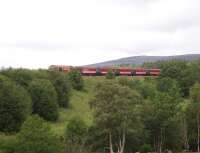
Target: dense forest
{"points": [[44, 111]]}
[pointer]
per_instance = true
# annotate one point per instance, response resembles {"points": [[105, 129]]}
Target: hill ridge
{"points": [[138, 60]]}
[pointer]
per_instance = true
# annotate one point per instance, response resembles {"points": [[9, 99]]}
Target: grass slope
{"points": [[78, 106]]}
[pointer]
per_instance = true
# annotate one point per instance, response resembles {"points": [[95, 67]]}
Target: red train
{"points": [[101, 71]]}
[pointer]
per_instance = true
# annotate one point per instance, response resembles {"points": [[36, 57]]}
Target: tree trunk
{"points": [[161, 140], [120, 145], [157, 142], [185, 134], [110, 142], [123, 143]]}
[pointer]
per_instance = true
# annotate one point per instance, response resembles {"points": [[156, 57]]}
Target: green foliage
{"points": [[36, 137], [159, 118], [150, 65], [147, 90], [194, 109], [157, 111], [21, 76], [44, 99], [184, 73], [76, 132], [173, 69], [15, 105], [8, 144], [76, 79], [121, 98], [115, 109], [110, 75], [62, 86], [125, 81], [169, 86], [195, 93], [146, 148]]}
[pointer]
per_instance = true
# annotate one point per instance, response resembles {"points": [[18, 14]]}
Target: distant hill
{"points": [[138, 60]]}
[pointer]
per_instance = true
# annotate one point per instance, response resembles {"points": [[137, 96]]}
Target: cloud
{"points": [[77, 32]]}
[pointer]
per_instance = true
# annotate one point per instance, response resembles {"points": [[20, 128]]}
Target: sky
{"points": [[40, 33]]}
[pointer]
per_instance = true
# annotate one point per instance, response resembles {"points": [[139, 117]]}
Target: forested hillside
{"points": [[43, 111]]}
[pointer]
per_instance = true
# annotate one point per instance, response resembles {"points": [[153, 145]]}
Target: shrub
{"points": [[110, 75], [15, 105], [62, 86], [76, 131], [21, 76], [44, 99], [145, 148], [36, 137], [76, 79]]}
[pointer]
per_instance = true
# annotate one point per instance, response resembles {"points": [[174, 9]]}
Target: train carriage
{"points": [[88, 71], [101, 71]]}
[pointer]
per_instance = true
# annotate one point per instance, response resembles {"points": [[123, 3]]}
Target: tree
{"points": [[76, 79], [115, 111], [76, 129], [195, 98], [21, 76], [182, 117], [62, 87], [126, 81], [15, 105], [165, 84], [147, 90], [160, 118], [75, 136], [44, 99], [110, 75], [179, 71], [35, 136]]}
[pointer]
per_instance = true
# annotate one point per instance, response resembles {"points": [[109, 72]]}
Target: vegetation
{"points": [[75, 136], [62, 86], [76, 79], [110, 75], [115, 112], [100, 115], [36, 137], [15, 105], [44, 99]]}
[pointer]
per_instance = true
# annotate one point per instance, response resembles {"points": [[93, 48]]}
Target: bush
{"points": [[110, 75], [44, 99], [126, 81], [15, 105], [62, 86], [76, 79], [21, 76], [36, 137], [76, 131], [145, 148]]}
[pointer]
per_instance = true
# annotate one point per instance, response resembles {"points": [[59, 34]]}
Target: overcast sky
{"points": [[38, 33]]}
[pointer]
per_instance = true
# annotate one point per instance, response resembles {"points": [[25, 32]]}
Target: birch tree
{"points": [[195, 98], [116, 111]]}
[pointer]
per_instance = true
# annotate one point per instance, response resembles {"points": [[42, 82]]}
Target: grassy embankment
{"points": [[78, 105]]}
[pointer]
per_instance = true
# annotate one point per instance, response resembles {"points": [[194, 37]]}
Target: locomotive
{"points": [[101, 71]]}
